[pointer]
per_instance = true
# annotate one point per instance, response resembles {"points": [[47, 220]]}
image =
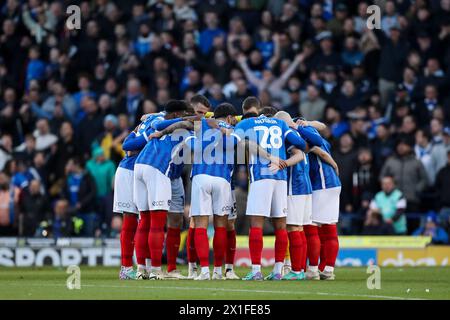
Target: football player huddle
{"points": [[293, 181]]}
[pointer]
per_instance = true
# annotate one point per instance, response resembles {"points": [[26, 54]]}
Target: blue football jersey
{"points": [[299, 182], [136, 141], [322, 174], [270, 134], [213, 151], [161, 153]]}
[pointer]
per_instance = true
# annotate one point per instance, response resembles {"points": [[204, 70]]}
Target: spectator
{"points": [[364, 180], [391, 204], [345, 157], [294, 97], [408, 172], [34, 208], [84, 85], [427, 154], [6, 150], [102, 170], [425, 107], [44, 138], [132, 104], [62, 223], [60, 98], [212, 31], [313, 107], [443, 192], [440, 142], [90, 126], [110, 140], [9, 200], [80, 191], [26, 151], [35, 67], [67, 148], [348, 99], [390, 18], [336, 123], [351, 55], [433, 229], [268, 81], [375, 226], [392, 60]]}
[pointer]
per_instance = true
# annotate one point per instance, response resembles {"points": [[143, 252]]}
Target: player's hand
{"points": [[145, 116], [155, 135], [302, 123], [336, 169], [277, 164], [283, 164], [274, 168]]}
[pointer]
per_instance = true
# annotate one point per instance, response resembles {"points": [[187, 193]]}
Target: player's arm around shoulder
{"points": [[326, 157], [181, 125], [319, 126], [297, 156]]}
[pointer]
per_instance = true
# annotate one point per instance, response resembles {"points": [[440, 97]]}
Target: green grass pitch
{"points": [[103, 283]]}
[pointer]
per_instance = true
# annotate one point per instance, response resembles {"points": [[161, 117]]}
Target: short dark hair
{"points": [[427, 134], [268, 111], [78, 161], [405, 139], [251, 102], [175, 105], [225, 109], [190, 109], [199, 98]]}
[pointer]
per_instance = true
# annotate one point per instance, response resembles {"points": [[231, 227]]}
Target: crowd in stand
{"points": [[68, 98]]}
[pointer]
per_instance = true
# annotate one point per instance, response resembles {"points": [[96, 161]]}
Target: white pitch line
{"points": [[238, 290]]}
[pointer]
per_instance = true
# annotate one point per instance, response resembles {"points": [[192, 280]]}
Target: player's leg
{"points": [[123, 203], [255, 243], [307, 220], [278, 214], [160, 194], [222, 201], [330, 244], [294, 220], [327, 215], [174, 223], [231, 249], [231, 242], [219, 244], [304, 249], [142, 249], [191, 253], [281, 245], [313, 251], [287, 260], [259, 201], [202, 246], [295, 252], [287, 268], [322, 260], [156, 241], [201, 210], [129, 226]]}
